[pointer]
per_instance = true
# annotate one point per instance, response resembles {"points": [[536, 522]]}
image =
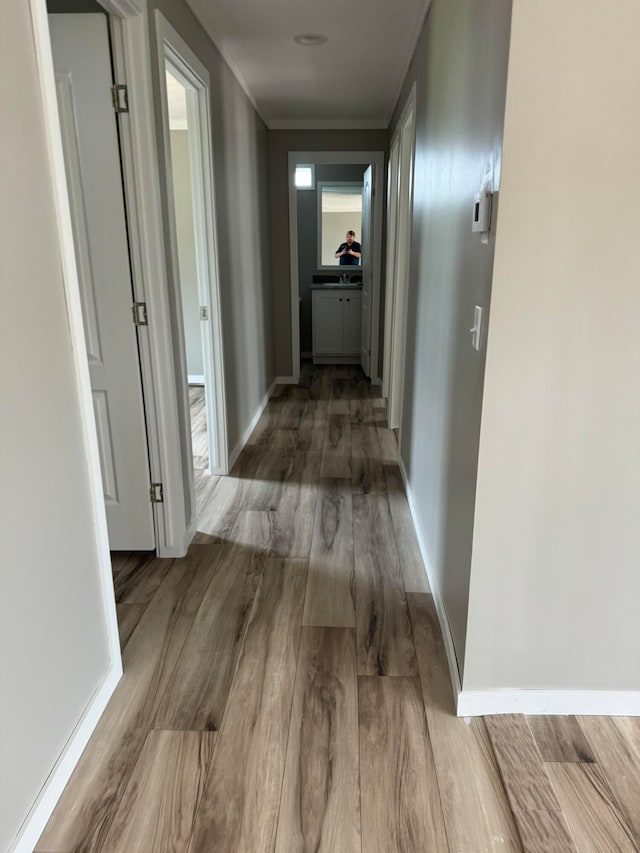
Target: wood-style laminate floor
{"points": [[285, 684], [199, 438]]}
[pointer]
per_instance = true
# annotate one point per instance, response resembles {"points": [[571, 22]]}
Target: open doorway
{"points": [[185, 216], [335, 301], [193, 249]]}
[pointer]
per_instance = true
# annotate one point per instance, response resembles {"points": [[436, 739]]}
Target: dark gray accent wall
{"points": [[308, 239], [460, 70], [280, 143]]}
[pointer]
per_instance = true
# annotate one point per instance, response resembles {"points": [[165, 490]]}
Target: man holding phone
{"points": [[350, 252]]}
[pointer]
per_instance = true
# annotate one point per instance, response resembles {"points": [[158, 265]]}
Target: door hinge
{"points": [[139, 311], [156, 493], [204, 312], [120, 98]]}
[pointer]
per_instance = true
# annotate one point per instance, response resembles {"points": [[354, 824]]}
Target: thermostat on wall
{"points": [[482, 212]]}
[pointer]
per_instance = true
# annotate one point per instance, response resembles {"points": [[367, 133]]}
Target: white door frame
{"points": [[392, 224], [397, 294], [132, 63], [174, 51], [376, 159]]}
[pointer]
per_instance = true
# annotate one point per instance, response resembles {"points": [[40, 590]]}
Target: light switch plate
{"points": [[476, 331]]}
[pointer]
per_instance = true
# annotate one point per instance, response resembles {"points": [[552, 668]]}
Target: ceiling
{"points": [[351, 81]]}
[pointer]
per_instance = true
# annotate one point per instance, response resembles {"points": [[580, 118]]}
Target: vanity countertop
{"points": [[336, 285]]}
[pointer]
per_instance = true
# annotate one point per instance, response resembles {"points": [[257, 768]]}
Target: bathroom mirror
{"points": [[339, 211]]}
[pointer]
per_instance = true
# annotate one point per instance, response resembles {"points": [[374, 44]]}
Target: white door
{"points": [[83, 80], [367, 273]]}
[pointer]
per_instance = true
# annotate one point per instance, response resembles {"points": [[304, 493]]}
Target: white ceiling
{"points": [[351, 81]]}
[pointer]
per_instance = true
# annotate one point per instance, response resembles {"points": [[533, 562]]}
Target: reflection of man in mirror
{"points": [[349, 252]]}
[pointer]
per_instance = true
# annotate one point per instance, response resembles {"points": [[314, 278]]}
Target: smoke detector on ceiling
{"points": [[310, 39]]}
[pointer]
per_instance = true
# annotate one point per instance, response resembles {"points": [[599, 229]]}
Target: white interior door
{"points": [[83, 80], [367, 272]]}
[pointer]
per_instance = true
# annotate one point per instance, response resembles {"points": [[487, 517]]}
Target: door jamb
{"points": [[132, 56], [172, 49], [399, 285], [376, 159], [393, 173]]}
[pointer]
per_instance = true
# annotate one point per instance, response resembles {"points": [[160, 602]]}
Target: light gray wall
{"points": [[183, 202], [240, 169], [555, 580], [459, 68], [280, 143], [53, 639], [308, 239]]}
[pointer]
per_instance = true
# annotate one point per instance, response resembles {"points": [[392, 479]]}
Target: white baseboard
{"points": [[375, 380], [285, 380], [608, 703], [195, 380], [233, 456], [42, 809], [447, 636]]}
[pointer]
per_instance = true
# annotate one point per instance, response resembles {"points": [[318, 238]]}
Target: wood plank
{"points": [[139, 575], [476, 812], [330, 589], [616, 745], [593, 815], [239, 807], [313, 425], [367, 470], [265, 489], [339, 407], [336, 451], [388, 444], [341, 376], [218, 516], [291, 412], [284, 439], [560, 739], [128, 617], [197, 693], [385, 641], [159, 805], [533, 801], [411, 563], [267, 424], [89, 803], [205, 485], [320, 384], [361, 412], [320, 804], [293, 525], [399, 791]]}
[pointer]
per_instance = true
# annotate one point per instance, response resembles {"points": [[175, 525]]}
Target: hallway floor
{"points": [[285, 684]]}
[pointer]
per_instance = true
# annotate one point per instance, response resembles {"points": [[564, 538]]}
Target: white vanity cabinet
{"points": [[336, 325]]}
